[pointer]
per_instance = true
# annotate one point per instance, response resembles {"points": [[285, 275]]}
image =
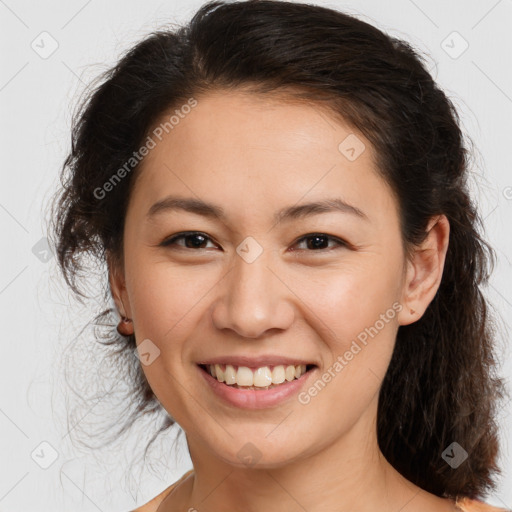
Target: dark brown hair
{"points": [[441, 386]]}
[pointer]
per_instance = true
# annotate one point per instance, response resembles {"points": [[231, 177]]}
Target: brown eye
{"points": [[320, 241], [192, 240]]}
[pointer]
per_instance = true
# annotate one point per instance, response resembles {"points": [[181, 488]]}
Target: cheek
{"points": [[349, 301], [167, 299], [358, 313], [357, 317], [167, 306]]}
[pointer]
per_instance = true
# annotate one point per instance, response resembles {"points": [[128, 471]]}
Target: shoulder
{"points": [[468, 505], [152, 505]]}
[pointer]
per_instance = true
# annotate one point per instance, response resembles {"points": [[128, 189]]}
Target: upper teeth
{"points": [[260, 377]]}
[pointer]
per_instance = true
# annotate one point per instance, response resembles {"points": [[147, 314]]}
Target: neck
{"points": [[348, 474]]}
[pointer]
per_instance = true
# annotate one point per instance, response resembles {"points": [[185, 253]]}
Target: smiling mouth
{"points": [[262, 378]]}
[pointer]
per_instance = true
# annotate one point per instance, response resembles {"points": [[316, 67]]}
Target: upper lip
{"points": [[255, 362]]}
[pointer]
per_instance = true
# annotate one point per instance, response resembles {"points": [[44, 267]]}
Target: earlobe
{"points": [[425, 271], [118, 290]]}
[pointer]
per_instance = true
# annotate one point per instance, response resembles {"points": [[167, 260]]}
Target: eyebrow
{"points": [[212, 211]]}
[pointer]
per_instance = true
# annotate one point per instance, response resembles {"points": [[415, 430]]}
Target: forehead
{"points": [[250, 150]]}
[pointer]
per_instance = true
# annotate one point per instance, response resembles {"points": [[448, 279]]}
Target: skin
{"points": [[253, 155]]}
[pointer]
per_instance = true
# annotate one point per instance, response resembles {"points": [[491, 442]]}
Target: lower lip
{"points": [[254, 398]]}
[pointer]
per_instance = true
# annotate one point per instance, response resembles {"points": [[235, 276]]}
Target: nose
{"points": [[253, 299]]}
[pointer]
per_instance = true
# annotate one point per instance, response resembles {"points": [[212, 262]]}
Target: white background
{"points": [[38, 314]]}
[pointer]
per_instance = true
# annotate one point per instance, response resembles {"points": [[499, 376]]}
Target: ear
{"points": [[117, 284], [424, 271]]}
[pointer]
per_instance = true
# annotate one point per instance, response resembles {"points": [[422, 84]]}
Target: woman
{"points": [[278, 192]]}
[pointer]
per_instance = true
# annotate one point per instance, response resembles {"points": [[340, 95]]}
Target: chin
{"points": [[257, 450]]}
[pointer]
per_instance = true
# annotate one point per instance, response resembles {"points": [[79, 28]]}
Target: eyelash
{"points": [[172, 240]]}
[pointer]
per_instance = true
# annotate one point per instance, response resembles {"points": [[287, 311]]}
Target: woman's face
{"points": [[250, 286]]}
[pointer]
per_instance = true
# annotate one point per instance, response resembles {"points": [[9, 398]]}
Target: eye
{"points": [[197, 240], [318, 241], [193, 240]]}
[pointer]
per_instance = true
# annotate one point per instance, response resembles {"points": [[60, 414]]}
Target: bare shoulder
{"points": [[468, 505], [151, 506], [432, 503]]}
